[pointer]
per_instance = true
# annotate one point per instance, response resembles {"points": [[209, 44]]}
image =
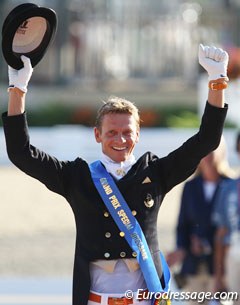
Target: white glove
{"points": [[20, 78], [214, 61]]}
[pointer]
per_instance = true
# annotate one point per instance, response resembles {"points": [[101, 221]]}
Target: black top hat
{"points": [[27, 30]]}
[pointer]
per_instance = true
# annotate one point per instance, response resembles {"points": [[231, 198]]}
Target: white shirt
{"points": [[209, 188], [118, 170]]}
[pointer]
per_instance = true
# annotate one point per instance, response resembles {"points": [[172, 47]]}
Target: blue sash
{"points": [[128, 224]]}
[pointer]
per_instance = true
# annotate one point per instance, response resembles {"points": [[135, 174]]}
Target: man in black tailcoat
{"points": [[105, 266]]}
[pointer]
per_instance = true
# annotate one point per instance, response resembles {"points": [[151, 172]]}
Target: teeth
{"points": [[119, 148]]}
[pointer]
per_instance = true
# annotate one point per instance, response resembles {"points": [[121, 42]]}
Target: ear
{"points": [[138, 136], [97, 134]]}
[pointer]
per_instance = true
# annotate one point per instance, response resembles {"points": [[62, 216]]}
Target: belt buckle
{"points": [[119, 301]]}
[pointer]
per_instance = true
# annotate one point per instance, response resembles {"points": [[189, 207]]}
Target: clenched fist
{"points": [[214, 61]]}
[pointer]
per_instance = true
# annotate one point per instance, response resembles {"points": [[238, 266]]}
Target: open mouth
{"points": [[119, 148]]}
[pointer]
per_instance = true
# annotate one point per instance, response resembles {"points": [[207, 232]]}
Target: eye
{"points": [[111, 133], [128, 133]]}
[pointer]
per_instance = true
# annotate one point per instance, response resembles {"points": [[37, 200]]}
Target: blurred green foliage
{"points": [[50, 115], [173, 116]]}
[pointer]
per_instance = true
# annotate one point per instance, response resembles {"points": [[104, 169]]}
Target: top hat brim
{"points": [[32, 28]]}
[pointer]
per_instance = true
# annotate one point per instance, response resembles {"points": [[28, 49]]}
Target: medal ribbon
{"points": [[128, 224]]}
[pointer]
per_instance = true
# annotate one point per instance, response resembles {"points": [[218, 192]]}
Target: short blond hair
{"points": [[116, 104]]}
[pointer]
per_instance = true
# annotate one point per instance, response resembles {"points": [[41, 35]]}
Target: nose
{"points": [[120, 138]]}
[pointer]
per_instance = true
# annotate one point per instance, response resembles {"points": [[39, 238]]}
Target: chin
{"points": [[119, 156], [120, 159]]}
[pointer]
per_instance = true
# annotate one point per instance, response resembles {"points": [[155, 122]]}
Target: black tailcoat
{"points": [[72, 180]]}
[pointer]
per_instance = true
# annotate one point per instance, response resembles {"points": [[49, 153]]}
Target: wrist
{"points": [[218, 84], [18, 89], [15, 91], [16, 104]]}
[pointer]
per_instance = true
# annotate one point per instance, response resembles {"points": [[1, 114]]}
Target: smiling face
{"points": [[118, 135]]}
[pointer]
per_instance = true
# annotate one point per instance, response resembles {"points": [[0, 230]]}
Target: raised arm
{"points": [[31, 160], [215, 61], [182, 162]]}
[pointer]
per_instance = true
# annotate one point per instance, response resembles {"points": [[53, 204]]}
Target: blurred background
{"points": [[145, 51]]}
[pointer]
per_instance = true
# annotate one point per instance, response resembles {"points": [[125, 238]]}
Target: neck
{"points": [[211, 175]]}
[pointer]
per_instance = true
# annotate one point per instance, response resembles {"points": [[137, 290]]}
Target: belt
{"points": [[114, 301]]}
